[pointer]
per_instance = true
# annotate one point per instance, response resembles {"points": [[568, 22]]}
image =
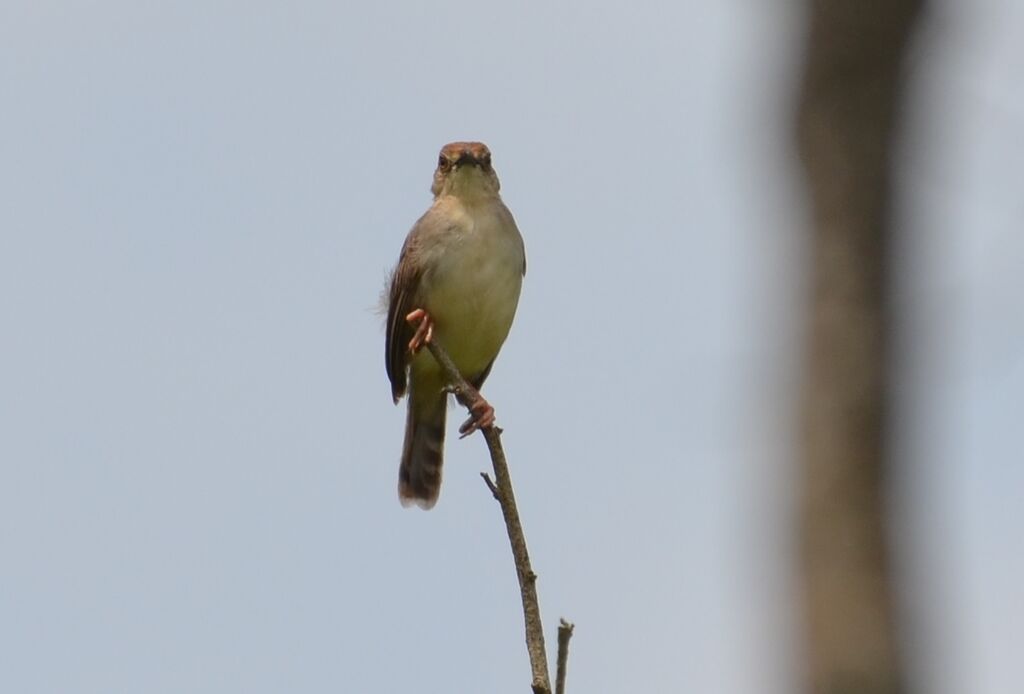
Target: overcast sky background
{"points": [[199, 203]]}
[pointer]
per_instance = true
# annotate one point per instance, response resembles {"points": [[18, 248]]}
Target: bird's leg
{"points": [[481, 417], [481, 412], [424, 331]]}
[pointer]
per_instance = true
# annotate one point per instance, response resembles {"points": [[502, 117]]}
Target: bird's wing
{"points": [[404, 281], [404, 292]]}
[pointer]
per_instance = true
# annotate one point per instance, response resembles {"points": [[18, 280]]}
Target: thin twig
{"points": [[490, 485], [502, 489], [564, 634]]}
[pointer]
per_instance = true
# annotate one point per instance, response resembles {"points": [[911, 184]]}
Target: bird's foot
{"points": [[424, 331], [481, 417]]}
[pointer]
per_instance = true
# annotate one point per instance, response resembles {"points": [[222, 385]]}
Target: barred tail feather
{"points": [[419, 474]]}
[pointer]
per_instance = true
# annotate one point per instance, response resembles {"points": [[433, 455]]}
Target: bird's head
{"points": [[464, 170]]}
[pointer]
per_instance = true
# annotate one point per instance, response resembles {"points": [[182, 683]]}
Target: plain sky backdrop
{"points": [[199, 203]]}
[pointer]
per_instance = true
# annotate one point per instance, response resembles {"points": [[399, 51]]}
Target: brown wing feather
{"points": [[403, 295], [404, 280]]}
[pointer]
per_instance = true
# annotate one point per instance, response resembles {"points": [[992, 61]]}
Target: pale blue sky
{"points": [[198, 451]]}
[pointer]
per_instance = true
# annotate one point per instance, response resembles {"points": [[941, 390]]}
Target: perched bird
{"points": [[457, 281]]}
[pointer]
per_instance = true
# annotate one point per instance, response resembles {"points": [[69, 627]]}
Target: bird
{"points": [[457, 281]]}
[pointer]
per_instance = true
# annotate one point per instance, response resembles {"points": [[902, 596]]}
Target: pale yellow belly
{"points": [[473, 301]]}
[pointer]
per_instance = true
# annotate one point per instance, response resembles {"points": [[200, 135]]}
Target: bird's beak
{"points": [[467, 158]]}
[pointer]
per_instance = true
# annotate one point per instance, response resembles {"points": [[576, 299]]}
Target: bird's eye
{"points": [[486, 160], [442, 163]]}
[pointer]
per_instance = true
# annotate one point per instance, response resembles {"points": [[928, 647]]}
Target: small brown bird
{"points": [[458, 277]]}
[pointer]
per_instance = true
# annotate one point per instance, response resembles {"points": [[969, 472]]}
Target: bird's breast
{"points": [[474, 289]]}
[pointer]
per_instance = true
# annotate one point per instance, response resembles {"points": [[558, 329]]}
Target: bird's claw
{"points": [[481, 417], [424, 331]]}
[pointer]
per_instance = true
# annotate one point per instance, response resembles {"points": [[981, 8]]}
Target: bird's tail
{"points": [[419, 474]]}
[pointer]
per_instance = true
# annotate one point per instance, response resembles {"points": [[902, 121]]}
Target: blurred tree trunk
{"points": [[851, 97]]}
